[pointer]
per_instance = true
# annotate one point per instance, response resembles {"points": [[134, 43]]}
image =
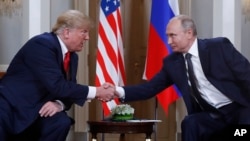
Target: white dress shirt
{"points": [[92, 89], [212, 95]]}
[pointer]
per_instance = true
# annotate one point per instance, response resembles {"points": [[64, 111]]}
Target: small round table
{"points": [[121, 128]]}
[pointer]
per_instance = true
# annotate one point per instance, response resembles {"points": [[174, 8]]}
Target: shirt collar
{"points": [[193, 49], [63, 46]]}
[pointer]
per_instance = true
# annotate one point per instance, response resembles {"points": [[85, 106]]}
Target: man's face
{"points": [[76, 38], [178, 38]]}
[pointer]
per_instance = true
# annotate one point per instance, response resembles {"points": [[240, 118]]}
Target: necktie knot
{"points": [[66, 61], [188, 56]]}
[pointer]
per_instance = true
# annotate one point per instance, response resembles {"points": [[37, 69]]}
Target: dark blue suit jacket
{"points": [[222, 64], [36, 76]]}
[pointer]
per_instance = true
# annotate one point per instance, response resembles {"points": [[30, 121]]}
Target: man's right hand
{"points": [[105, 92]]}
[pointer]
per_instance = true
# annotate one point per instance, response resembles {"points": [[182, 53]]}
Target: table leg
{"points": [[148, 137], [122, 137], [94, 137]]}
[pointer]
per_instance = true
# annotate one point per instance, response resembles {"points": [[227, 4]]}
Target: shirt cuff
{"points": [[92, 92], [60, 103], [120, 91]]}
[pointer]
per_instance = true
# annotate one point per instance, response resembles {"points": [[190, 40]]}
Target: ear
{"points": [[66, 33], [190, 33]]}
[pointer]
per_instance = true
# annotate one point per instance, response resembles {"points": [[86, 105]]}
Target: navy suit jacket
{"points": [[36, 76], [222, 64]]}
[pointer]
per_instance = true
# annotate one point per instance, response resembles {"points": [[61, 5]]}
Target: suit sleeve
{"points": [[238, 65], [41, 56]]}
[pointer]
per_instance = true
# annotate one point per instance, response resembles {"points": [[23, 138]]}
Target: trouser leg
{"points": [[54, 128], [5, 119], [200, 127]]}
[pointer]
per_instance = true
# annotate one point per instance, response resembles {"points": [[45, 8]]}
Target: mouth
{"points": [[82, 44], [172, 46]]}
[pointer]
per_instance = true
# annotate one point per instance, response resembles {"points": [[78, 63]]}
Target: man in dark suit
{"points": [[36, 90], [222, 81]]}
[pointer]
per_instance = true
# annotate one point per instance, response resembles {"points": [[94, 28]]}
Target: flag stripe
{"points": [[158, 47], [110, 62], [156, 51], [102, 69], [108, 50]]}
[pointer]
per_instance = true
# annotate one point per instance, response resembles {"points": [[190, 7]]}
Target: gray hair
{"points": [[187, 23]]}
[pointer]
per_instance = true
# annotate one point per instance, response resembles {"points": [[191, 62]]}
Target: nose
{"points": [[169, 40], [86, 37]]}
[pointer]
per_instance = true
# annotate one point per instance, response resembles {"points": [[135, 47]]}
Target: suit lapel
{"points": [[181, 73], [73, 65], [60, 58], [58, 50], [180, 70], [204, 56], [180, 66]]}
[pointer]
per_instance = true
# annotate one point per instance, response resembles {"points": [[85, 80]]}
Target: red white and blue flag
{"points": [[161, 12], [110, 60]]}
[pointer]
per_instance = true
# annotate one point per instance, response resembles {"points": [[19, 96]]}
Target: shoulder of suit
{"points": [[43, 37], [214, 40], [173, 56]]}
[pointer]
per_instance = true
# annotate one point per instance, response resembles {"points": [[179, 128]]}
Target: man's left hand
{"points": [[50, 108]]}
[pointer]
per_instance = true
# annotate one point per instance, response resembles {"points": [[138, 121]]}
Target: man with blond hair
{"points": [[37, 88]]}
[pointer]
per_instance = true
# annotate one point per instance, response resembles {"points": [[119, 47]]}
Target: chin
{"points": [[80, 49], [174, 50]]}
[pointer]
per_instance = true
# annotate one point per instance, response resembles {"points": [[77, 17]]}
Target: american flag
{"points": [[110, 61]]}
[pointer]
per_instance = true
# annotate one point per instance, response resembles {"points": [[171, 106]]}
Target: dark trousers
{"points": [[206, 126], [53, 128]]}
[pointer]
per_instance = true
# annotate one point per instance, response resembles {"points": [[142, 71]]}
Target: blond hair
{"points": [[71, 19]]}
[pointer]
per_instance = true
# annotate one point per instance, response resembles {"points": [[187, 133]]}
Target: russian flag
{"points": [[161, 12]]}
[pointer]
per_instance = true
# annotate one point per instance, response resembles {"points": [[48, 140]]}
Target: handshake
{"points": [[106, 92]]}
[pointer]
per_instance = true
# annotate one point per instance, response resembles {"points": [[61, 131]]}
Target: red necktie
{"points": [[66, 62]]}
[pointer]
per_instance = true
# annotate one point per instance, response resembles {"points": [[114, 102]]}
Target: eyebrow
{"points": [[171, 34]]}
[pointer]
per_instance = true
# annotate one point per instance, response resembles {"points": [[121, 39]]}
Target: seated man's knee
{"points": [[63, 121], [3, 135], [189, 121]]}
